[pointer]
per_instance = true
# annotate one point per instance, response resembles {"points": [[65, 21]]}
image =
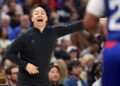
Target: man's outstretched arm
{"points": [[62, 30], [94, 10]]}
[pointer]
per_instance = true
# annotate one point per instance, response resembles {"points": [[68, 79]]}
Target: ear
{"points": [[8, 76], [32, 19], [46, 18]]}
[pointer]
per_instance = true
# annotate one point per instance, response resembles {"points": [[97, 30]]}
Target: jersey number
{"points": [[113, 24]]}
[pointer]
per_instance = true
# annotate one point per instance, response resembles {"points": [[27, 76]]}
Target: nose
{"points": [[39, 15]]}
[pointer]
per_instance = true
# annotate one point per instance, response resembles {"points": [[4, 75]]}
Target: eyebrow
{"points": [[34, 11], [40, 11]]}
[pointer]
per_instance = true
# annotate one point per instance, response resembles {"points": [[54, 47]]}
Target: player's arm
{"points": [[62, 30], [103, 22], [91, 23], [95, 9]]}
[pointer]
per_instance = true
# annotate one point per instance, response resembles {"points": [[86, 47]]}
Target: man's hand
{"points": [[103, 22], [32, 69]]}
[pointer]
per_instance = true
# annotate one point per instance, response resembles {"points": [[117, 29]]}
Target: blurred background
{"points": [[76, 57]]}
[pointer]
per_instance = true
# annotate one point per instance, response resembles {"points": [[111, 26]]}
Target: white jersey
{"points": [[96, 7], [112, 9]]}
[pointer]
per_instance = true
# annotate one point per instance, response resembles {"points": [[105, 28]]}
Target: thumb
{"points": [[37, 67]]}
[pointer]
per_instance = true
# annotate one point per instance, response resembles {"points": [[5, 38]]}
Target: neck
{"points": [[77, 77], [3, 38], [54, 83], [13, 83], [41, 28]]}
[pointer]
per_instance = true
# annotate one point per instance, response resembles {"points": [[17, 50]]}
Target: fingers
{"points": [[36, 67], [32, 69], [35, 71]]}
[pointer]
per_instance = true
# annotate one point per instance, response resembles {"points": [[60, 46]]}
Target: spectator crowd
{"points": [[76, 58]]}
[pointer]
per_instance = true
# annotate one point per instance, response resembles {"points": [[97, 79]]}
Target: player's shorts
{"points": [[111, 64]]}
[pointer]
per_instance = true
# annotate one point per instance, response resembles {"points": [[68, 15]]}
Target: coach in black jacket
{"points": [[35, 47]]}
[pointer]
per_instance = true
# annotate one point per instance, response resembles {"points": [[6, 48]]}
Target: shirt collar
{"points": [[37, 30]]}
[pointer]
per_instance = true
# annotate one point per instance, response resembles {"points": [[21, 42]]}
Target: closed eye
{"points": [[36, 13], [42, 13]]}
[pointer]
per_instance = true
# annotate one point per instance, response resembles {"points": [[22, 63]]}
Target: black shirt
{"points": [[36, 47]]}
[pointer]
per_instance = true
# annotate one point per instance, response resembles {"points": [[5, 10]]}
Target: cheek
{"points": [[33, 19], [50, 75], [45, 18], [58, 76], [74, 70], [78, 70], [13, 76]]}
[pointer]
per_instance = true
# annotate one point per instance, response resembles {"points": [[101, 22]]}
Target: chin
{"points": [[39, 24]]}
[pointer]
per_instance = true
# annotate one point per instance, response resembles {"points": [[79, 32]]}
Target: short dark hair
{"points": [[52, 66], [33, 8], [8, 70], [0, 7], [72, 64]]}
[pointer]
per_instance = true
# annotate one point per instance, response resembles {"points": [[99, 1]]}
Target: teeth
{"points": [[40, 20]]}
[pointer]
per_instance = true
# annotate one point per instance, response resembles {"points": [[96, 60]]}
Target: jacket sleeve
{"points": [[62, 30], [14, 49]]}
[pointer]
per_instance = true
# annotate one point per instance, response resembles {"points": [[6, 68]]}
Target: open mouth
{"points": [[40, 20]]}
